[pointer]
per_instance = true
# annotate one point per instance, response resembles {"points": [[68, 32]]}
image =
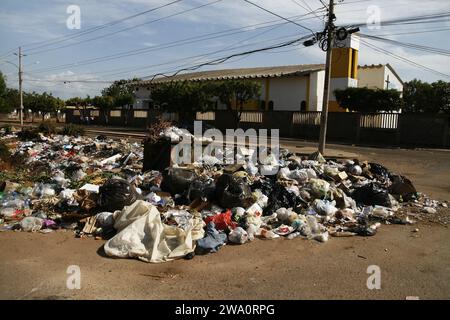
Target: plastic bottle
{"points": [[293, 235]]}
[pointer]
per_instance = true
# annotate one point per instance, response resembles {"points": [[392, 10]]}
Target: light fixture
{"points": [[309, 43]]}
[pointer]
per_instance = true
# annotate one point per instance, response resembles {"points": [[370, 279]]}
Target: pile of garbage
{"points": [[96, 187]]}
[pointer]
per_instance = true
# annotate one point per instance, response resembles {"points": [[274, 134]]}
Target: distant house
{"points": [[283, 88]]}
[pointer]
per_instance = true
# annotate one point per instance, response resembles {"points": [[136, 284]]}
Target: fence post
{"points": [[291, 125], [398, 130], [358, 127], [445, 137]]}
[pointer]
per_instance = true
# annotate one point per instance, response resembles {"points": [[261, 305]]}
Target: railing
{"points": [[140, 114], [254, 117], [211, 116], [379, 121], [115, 113], [307, 118]]}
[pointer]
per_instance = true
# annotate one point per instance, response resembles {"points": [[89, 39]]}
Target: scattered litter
{"points": [[97, 187]]}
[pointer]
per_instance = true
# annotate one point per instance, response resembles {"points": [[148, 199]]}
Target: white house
{"points": [[283, 88]]}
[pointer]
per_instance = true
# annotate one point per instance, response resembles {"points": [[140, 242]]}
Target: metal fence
{"points": [[211, 116], [379, 121], [307, 118], [377, 129], [254, 117]]}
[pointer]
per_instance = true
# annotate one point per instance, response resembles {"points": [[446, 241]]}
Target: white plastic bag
{"points": [[238, 235]]}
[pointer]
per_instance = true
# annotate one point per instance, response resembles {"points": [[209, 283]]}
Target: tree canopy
{"points": [[120, 93], [426, 97], [369, 100], [199, 96]]}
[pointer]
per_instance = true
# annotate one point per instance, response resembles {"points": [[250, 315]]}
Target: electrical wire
{"points": [[166, 45], [406, 60], [125, 29], [281, 17], [408, 45], [195, 67], [45, 43]]}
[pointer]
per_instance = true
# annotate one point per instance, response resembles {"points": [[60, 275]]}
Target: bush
{"points": [[4, 152], [72, 130], [47, 127], [28, 134], [7, 129], [369, 100]]}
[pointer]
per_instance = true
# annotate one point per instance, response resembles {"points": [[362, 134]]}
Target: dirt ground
{"points": [[417, 264]]}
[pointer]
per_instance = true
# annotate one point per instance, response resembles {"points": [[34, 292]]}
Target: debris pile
{"points": [[97, 187]]}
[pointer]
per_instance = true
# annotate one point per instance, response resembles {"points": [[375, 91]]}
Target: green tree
{"points": [[369, 100], [10, 100], [122, 91], [104, 103], [181, 96], [427, 97], [236, 92], [4, 107], [2, 84]]}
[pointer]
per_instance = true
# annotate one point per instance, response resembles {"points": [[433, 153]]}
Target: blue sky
{"points": [[33, 23]]}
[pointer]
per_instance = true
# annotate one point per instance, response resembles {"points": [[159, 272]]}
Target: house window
{"points": [[76, 112], [95, 113], [115, 113]]}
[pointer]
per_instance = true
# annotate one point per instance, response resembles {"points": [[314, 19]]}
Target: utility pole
{"points": [[326, 88], [20, 86]]}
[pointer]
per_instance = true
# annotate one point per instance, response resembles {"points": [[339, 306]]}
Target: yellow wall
{"points": [[341, 63], [248, 106]]}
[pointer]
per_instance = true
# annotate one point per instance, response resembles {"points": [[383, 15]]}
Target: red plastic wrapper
{"points": [[222, 220]]}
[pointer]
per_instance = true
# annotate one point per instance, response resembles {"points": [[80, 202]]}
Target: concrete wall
{"points": [[375, 77], [316, 91], [371, 78], [288, 93]]}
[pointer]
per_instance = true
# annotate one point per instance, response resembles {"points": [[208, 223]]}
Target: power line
{"points": [[281, 17], [429, 18], [93, 29], [221, 60], [409, 45], [308, 9], [406, 60], [195, 67], [413, 32], [126, 29], [166, 45]]}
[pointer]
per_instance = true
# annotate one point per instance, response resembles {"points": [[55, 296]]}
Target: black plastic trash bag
{"points": [[371, 195], [233, 192], [403, 187], [281, 198], [202, 189], [177, 180], [379, 170], [115, 194]]}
